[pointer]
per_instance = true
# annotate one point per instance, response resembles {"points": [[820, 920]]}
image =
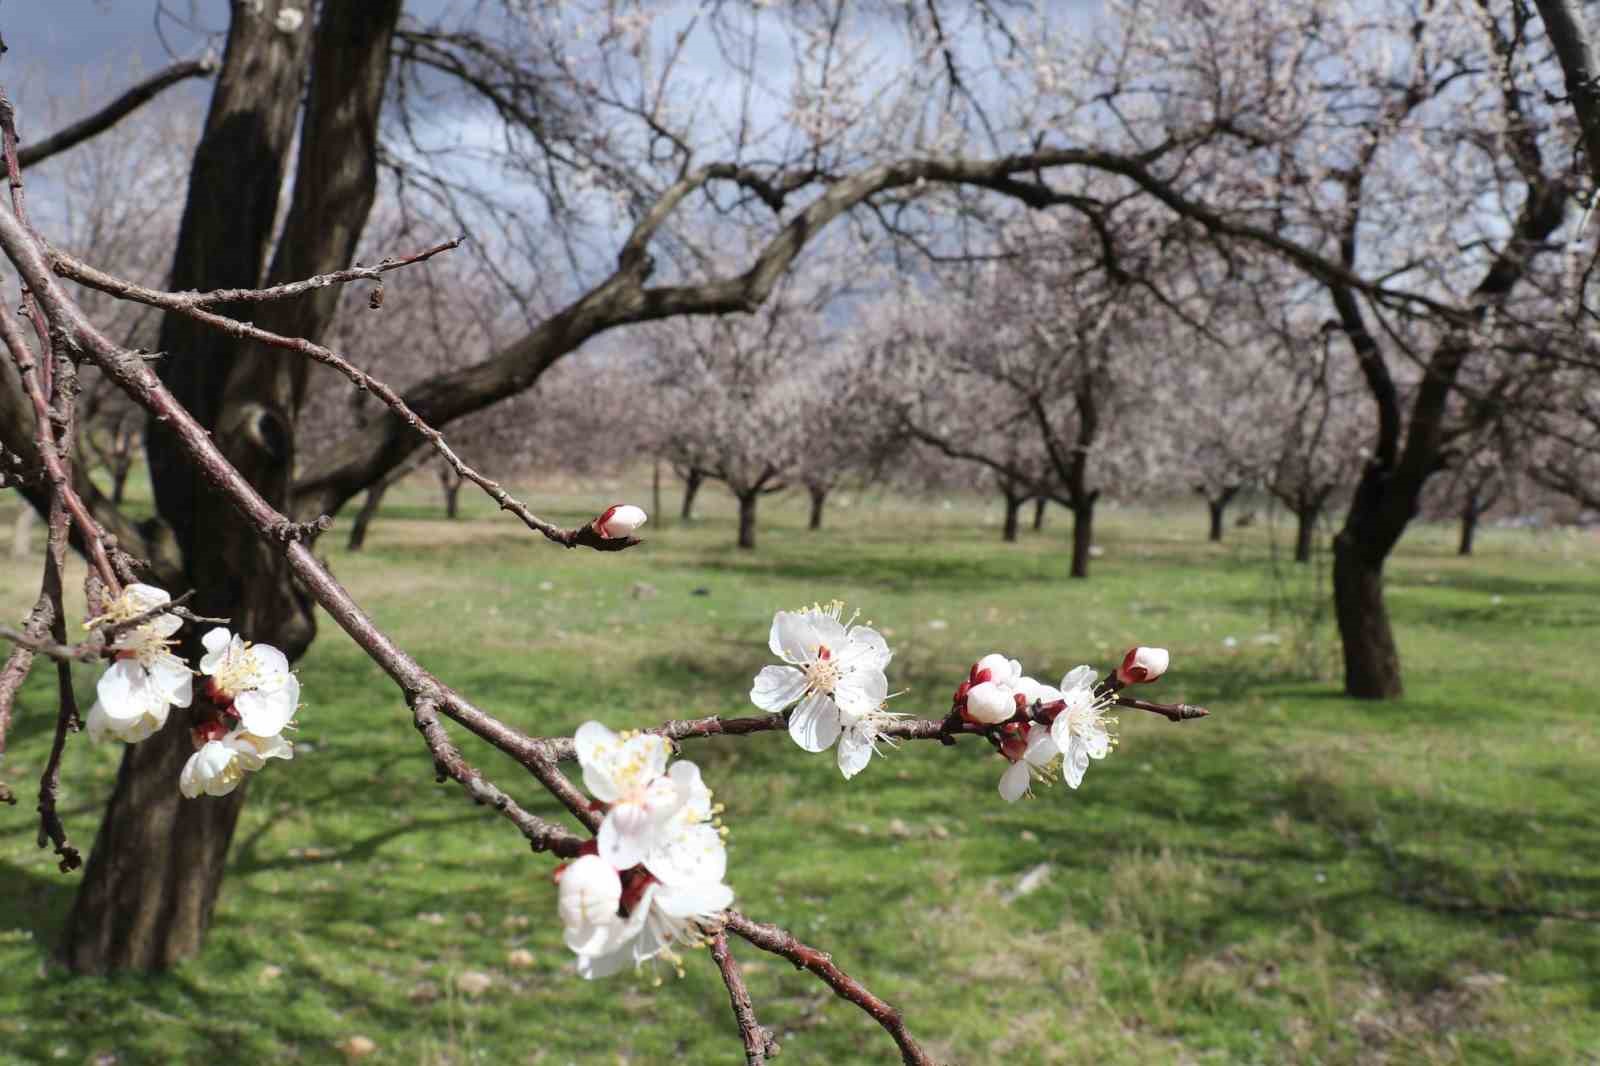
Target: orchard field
{"points": [[1299, 877]]}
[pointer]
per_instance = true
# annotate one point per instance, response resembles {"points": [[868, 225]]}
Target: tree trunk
{"points": [[452, 499], [1469, 525], [1013, 507], [156, 867], [1305, 532], [364, 517], [655, 492], [691, 488], [119, 479], [1371, 659], [818, 498], [1217, 508], [1039, 506], [747, 519], [1082, 535]]}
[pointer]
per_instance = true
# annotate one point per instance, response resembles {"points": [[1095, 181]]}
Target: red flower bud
{"points": [[1142, 664]]}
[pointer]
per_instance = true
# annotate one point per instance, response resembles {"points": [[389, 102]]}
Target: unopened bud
{"points": [[589, 891], [1142, 664], [990, 704], [620, 520]]}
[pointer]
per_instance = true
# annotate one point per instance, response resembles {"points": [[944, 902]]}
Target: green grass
{"points": [[1298, 878]]}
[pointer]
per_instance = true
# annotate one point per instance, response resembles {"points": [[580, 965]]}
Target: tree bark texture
{"points": [[157, 863], [1371, 657]]}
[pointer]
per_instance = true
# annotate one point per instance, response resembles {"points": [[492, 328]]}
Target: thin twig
{"points": [[109, 115], [758, 1040], [448, 763], [585, 535], [781, 942]]}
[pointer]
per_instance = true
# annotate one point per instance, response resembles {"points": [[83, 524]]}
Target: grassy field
{"points": [[1299, 878]]}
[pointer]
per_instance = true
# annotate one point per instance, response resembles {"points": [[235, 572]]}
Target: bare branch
{"points": [[110, 114]]}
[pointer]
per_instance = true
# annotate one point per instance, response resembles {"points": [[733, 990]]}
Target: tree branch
{"points": [[116, 110]]}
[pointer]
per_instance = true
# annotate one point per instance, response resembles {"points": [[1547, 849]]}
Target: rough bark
{"points": [[156, 867], [747, 518], [1371, 657]]}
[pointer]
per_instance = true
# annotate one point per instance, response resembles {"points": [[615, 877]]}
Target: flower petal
{"points": [[596, 746], [266, 713], [865, 646], [1078, 677], [860, 692], [793, 638], [1075, 763], [855, 751], [776, 687], [1014, 782], [814, 724]]}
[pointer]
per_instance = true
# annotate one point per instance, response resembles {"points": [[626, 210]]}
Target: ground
{"points": [[1299, 877]]}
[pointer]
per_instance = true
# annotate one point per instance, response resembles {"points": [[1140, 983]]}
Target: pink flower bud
{"points": [[1142, 664], [620, 520], [990, 704]]}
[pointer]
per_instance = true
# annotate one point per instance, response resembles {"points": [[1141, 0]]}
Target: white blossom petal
{"points": [[855, 751], [776, 687], [793, 638], [814, 724], [860, 692], [1014, 782]]}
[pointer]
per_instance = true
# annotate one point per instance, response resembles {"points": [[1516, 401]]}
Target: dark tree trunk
{"points": [[364, 517], [1305, 531], [157, 862], [1013, 508], [1217, 508], [691, 488], [818, 498], [1039, 506], [1082, 534], [1371, 658], [452, 498], [119, 478], [747, 519], [1470, 513]]}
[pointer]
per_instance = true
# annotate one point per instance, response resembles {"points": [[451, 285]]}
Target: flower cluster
{"points": [[834, 672], [254, 696], [249, 687], [653, 876], [144, 683], [1039, 725]]}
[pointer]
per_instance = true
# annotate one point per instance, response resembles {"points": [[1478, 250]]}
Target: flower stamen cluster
{"points": [[833, 678]]}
